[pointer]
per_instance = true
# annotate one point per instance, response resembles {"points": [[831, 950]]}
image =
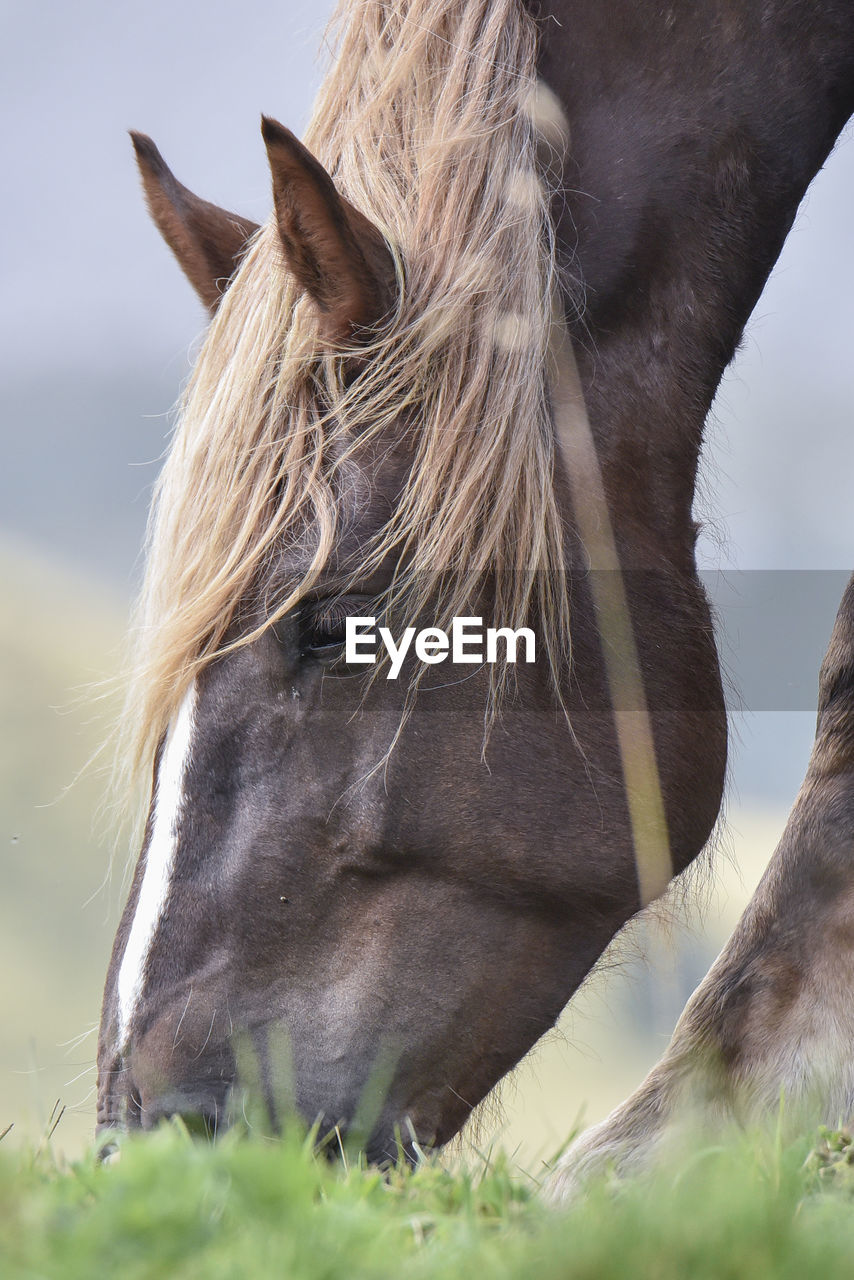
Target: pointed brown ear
{"points": [[207, 241], [337, 254]]}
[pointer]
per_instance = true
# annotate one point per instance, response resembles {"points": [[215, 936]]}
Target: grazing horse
{"points": [[462, 371]]}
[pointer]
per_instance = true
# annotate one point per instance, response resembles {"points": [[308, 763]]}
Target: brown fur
{"points": [[208, 242], [332, 250]]}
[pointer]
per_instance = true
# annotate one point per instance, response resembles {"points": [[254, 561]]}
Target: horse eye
{"points": [[322, 627]]}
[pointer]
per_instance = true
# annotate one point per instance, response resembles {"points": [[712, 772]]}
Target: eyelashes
{"points": [[323, 624]]}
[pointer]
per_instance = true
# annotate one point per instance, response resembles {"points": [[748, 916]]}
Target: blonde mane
{"points": [[427, 121]]}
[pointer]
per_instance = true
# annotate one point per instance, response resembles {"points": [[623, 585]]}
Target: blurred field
{"points": [[750, 1207], [58, 909], [57, 635]]}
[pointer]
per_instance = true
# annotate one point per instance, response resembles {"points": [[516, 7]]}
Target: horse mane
{"points": [[428, 123]]}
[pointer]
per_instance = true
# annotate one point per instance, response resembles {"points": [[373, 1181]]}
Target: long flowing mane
{"points": [[428, 122]]}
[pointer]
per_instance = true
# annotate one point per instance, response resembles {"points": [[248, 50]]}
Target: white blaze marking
{"points": [[159, 861]]}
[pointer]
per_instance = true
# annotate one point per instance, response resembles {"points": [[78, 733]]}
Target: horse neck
{"points": [[696, 129]]}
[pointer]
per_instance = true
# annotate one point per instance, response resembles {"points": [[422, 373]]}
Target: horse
{"points": [[463, 371]]}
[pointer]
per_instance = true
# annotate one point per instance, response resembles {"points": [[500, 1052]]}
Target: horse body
{"points": [[427, 911]]}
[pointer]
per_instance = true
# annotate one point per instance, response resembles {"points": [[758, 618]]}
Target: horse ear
{"points": [[207, 241], [336, 254]]}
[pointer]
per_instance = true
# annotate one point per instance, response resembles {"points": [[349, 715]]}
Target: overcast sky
{"points": [[88, 285], [86, 279]]}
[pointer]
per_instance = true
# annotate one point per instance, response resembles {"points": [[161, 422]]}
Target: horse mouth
{"points": [[203, 1112], [206, 1115]]}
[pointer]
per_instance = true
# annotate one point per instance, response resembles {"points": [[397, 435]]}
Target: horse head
{"points": [[365, 878]]}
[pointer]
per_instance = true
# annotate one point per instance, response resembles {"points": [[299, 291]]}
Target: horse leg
{"points": [[774, 1017]]}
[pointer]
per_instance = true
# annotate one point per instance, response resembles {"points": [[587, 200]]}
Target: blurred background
{"points": [[97, 331]]}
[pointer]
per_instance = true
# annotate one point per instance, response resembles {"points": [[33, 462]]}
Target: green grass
{"points": [[173, 1207]]}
